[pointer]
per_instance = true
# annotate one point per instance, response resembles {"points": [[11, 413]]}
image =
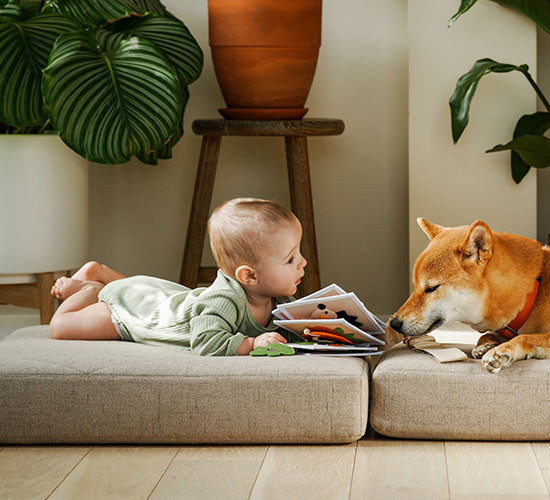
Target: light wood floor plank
{"points": [[306, 471], [386, 468], [117, 472], [542, 452], [211, 472], [35, 471], [484, 469]]}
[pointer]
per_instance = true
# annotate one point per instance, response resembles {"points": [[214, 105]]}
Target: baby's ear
{"points": [[246, 275]]}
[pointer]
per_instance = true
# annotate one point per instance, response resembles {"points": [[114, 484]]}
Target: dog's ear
{"points": [[431, 229], [477, 247]]}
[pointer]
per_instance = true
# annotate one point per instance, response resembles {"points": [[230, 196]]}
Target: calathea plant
{"points": [[109, 76], [529, 148]]}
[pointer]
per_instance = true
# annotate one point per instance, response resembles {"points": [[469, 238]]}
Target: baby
{"points": [[256, 244]]}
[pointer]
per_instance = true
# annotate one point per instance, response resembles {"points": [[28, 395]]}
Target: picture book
{"points": [[315, 349], [332, 316]]}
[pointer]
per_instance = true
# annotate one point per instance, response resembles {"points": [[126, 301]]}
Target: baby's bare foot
{"points": [[65, 287]]}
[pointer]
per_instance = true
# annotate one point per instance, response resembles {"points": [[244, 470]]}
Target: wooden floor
{"points": [[374, 467]]}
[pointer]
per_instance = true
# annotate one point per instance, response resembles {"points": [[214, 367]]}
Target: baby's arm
{"points": [[212, 335], [214, 328]]}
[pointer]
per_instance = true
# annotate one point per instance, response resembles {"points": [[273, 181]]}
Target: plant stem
{"points": [[537, 90], [43, 127]]}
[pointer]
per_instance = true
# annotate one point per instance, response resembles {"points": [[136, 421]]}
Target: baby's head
{"points": [[251, 239]]}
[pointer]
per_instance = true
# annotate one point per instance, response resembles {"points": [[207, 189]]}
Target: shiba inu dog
{"points": [[497, 283]]}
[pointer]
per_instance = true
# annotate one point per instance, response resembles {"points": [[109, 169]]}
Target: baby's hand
{"points": [[268, 338]]}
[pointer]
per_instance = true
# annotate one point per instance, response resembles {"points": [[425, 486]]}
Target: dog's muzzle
{"points": [[396, 324]]}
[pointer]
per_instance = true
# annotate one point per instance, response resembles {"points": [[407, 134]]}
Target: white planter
{"points": [[43, 207]]}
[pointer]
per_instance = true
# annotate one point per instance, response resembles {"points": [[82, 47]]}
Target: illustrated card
{"points": [[337, 326], [346, 306], [328, 291]]}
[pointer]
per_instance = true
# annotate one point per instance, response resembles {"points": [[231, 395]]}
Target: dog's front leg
{"points": [[484, 344], [533, 345]]}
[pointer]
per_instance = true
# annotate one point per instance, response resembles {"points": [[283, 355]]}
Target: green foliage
{"points": [[529, 148], [536, 10], [110, 76]]}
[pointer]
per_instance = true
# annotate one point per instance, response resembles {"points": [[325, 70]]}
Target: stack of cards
{"points": [[331, 322]]}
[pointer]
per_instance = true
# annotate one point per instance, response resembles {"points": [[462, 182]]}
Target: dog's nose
{"points": [[396, 324]]}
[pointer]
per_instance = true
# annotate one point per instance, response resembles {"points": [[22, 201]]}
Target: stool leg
{"points": [[45, 298], [198, 219], [302, 206]]}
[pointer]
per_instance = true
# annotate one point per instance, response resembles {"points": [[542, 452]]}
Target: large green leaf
{"points": [[109, 106], [10, 10], [465, 89], [99, 12], [536, 10], [175, 41], [533, 149], [172, 37], [24, 49], [165, 151], [465, 5], [534, 124]]}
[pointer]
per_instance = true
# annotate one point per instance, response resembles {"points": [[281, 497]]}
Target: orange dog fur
{"points": [[472, 275]]}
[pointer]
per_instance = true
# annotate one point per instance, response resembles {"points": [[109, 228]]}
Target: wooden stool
{"points": [[36, 295], [295, 133]]}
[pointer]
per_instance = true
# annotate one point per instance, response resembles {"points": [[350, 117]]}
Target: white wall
{"points": [[456, 184], [139, 213], [543, 175]]}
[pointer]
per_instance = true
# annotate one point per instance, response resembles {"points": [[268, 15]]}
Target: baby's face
{"points": [[281, 265]]}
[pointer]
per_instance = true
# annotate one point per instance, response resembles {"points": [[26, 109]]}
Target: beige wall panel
{"points": [[456, 184]]}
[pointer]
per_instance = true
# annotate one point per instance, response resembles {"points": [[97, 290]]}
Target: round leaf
{"points": [[99, 12], [172, 37], [24, 49], [109, 106]]}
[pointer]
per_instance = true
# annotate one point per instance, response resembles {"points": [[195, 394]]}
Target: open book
{"points": [[332, 316]]}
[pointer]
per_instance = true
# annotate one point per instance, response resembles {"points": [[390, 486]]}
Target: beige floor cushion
{"points": [[54, 391], [415, 396]]}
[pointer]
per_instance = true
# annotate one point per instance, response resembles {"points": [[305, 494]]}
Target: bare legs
{"points": [[90, 273], [81, 316]]}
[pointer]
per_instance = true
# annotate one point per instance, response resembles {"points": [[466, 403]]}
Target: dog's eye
{"points": [[431, 289]]}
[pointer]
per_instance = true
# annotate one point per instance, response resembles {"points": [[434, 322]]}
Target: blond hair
{"points": [[236, 229]]}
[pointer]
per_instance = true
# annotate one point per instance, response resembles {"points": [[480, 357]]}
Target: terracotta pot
{"points": [[264, 54]]}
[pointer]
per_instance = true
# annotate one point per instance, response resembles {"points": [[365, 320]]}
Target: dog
{"points": [[497, 283]]}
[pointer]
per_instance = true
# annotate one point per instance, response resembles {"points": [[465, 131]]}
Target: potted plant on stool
{"points": [[109, 79]]}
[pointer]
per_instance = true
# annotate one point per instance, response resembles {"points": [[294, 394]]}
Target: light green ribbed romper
{"points": [[209, 321]]}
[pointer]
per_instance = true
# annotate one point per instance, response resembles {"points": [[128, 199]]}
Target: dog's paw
{"points": [[480, 350], [497, 358]]}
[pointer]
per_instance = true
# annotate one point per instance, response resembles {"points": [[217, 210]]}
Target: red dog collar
{"points": [[511, 330]]}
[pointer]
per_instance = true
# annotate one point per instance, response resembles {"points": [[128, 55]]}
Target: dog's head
{"points": [[448, 279]]}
